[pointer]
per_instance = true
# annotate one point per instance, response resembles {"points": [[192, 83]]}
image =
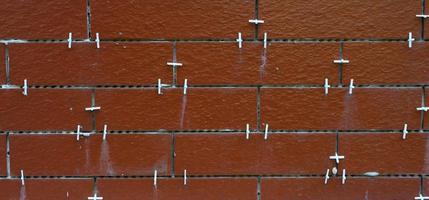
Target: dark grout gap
{"points": [[88, 19]]}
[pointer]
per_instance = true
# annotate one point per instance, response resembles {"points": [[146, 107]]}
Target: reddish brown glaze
{"points": [[76, 189], [119, 155], [218, 63], [84, 64], [339, 19], [2, 64], [386, 63], [233, 154], [173, 19], [355, 188], [3, 165], [280, 63], [426, 114], [384, 153], [139, 109], [366, 108], [201, 108], [43, 19], [196, 188], [215, 108], [45, 109]]}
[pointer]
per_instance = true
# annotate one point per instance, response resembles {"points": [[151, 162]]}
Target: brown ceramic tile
{"points": [[219, 108], [280, 63], [45, 109], [42, 19], [3, 165], [425, 189], [210, 189], [2, 64], [201, 108], [426, 114], [426, 21], [384, 153], [355, 188], [84, 64], [386, 63], [366, 108], [72, 189], [139, 109], [61, 155], [232, 154], [218, 63], [339, 19], [173, 19]]}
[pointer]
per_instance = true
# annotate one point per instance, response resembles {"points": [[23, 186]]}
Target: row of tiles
{"points": [[210, 19], [214, 154], [215, 188], [215, 63], [212, 109]]}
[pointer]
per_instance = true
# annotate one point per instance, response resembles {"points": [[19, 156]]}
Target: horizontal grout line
{"points": [[231, 40], [221, 132], [231, 86], [180, 176]]}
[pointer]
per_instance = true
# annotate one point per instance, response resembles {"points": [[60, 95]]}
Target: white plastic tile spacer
{"points": [[95, 197], [185, 178], [421, 197], [343, 180], [174, 64], [326, 176], [410, 40], [93, 108], [25, 88], [371, 174], [266, 132], [265, 40], [336, 157], [155, 177], [97, 40], [159, 86], [423, 108], [247, 131], [78, 132], [22, 178], [239, 40], [334, 171], [405, 131], [256, 21], [105, 132], [422, 16], [185, 86], [327, 86], [351, 86], [70, 40], [341, 61]]}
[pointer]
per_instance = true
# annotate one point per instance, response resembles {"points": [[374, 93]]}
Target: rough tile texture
{"points": [[72, 189], [234, 154], [339, 19], [355, 188], [215, 188], [374, 152], [366, 108], [215, 90], [83, 64], [386, 63], [43, 19], [201, 19], [45, 110], [119, 155]]}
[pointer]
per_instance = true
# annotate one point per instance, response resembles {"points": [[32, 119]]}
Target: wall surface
{"points": [[150, 99]]}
